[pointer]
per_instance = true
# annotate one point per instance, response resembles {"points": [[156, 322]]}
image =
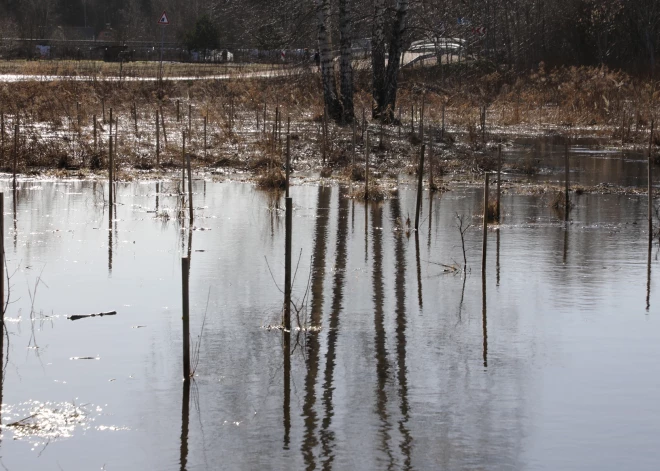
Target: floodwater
{"points": [[400, 365]]}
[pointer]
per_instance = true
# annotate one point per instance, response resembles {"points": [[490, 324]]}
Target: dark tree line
{"points": [[516, 34]]}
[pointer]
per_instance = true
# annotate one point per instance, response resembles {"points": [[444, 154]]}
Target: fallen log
{"points": [[84, 316]]}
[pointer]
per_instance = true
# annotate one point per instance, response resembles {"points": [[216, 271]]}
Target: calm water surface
{"points": [[549, 365]]}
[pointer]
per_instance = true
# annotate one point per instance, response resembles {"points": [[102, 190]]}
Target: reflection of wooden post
{"points": [[287, 264], [567, 203], [15, 153], [485, 233], [366, 169], [420, 187], [185, 272], [499, 179], [157, 141], [651, 182], [110, 165]]}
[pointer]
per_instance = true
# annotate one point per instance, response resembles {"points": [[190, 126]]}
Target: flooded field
{"points": [[396, 361]]}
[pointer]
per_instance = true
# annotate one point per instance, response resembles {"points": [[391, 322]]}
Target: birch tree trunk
{"points": [[346, 62], [332, 104], [378, 57]]}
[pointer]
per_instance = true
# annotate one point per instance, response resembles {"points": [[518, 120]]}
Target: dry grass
{"points": [[272, 179]]}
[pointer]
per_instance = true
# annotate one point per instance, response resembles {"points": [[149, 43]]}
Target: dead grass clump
{"points": [[527, 167], [486, 162], [356, 173], [375, 193], [264, 162], [273, 179], [491, 213], [559, 202]]}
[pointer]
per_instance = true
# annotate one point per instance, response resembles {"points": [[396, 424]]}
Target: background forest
{"points": [[520, 33]]}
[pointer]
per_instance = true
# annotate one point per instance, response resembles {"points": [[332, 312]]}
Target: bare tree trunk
{"points": [[330, 98], [346, 63], [378, 57], [388, 104]]}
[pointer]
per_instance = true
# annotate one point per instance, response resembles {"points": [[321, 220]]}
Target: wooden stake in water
{"points": [[2, 137], [162, 124], [499, 179], [288, 163], [287, 262], [2, 260], [205, 126], [420, 186], [185, 276], [650, 185], [183, 164], [485, 233], [190, 195], [157, 141]]}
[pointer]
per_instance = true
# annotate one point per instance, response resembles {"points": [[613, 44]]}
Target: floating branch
{"points": [[100, 314]]}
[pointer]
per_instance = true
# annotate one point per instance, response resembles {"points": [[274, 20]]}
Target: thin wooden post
{"points": [[16, 133], [135, 119], [431, 166], [288, 162], [443, 121], [567, 203], [366, 168], [420, 186], [499, 179], [157, 141], [324, 127], [110, 179], [412, 119], [364, 121], [185, 277], [95, 140], [2, 260], [205, 126], [2, 137], [190, 194], [421, 120], [485, 232], [353, 145], [287, 263], [183, 164], [651, 182], [162, 124]]}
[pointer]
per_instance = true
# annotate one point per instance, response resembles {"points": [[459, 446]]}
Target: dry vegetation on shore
{"points": [[57, 130]]}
